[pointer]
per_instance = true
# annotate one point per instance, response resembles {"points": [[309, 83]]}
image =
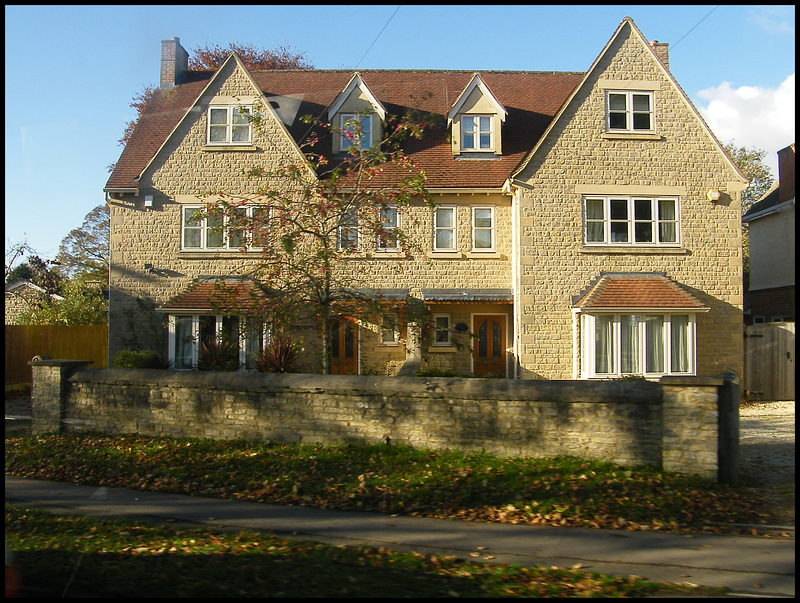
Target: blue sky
{"points": [[71, 72]]}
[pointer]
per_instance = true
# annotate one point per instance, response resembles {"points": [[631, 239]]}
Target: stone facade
{"points": [[540, 256], [674, 425]]}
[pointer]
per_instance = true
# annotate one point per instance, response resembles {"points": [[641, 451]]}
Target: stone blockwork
{"points": [[578, 157], [629, 422]]}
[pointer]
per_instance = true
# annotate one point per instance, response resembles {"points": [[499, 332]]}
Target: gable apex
{"points": [[476, 82], [356, 82]]}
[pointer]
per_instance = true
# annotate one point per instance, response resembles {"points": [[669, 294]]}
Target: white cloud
{"points": [[751, 116]]}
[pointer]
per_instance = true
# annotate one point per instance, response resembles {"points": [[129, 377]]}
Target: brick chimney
{"points": [[662, 52], [174, 62], [786, 174]]}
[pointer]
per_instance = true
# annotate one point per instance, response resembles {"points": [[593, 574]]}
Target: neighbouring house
{"points": [[24, 296], [587, 224], [771, 233]]}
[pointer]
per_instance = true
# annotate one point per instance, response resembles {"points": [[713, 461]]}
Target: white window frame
{"points": [[447, 330], [389, 330], [453, 228], [367, 133], [492, 229], [630, 112], [476, 131], [231, 125], [382, 244], [218, 331], [611, 223], [348, 226], [589, 344], [206, 231]]}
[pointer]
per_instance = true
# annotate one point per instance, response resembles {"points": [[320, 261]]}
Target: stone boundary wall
{"points": [[673, 424]]}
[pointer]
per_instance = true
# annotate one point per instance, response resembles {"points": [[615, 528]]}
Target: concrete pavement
{"points": [[750, 566]]}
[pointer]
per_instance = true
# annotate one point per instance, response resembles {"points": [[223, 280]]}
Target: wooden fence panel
{"points": [[769, 361], [23, 342]]}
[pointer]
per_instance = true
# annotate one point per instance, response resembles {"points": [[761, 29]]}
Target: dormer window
{"points": [[229, 125], [355, 130], [630, 111], [476, 133]]}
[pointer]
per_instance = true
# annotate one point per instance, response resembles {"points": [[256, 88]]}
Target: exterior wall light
{"points": [[713, 195]]}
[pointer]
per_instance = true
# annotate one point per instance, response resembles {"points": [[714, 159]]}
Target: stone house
{"points": [[587, 224], [772, 261], [22, 297]]}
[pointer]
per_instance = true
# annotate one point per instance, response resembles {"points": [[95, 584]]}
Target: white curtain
{"points": [[604, 344], [629, 343], [679, 343], [654, 342]]}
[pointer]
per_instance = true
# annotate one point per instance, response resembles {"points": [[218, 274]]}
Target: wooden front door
{"points": [[344, 346], [489, 345]]}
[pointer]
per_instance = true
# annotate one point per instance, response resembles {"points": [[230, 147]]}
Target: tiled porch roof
{"points": [[638, 292], [217, 295]]}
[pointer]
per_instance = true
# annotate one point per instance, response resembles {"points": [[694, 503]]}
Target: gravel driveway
{"points": [[766, 440]]}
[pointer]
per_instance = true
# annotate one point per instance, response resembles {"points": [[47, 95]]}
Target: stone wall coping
{"points": [[60, 362], [692, 381], [430, 387]]}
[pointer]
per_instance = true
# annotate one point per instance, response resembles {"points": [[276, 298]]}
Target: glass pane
{"points": [[496, 343], [485, 124], [644, 232], [594, 232], [483, 239], [603, 345], [335, 339], [654, 344], [241, 134], [667, 233], [260, 227], [483, 218], [486, 141], [641, 102], [188, 213], [483, 340], [643, 209], [666, 209], [619, 232], [619, 209], [641, 121], [218, 133], [594, 209], [617, 102], [679, 344], [240, 115], [349, 340], [219, 116], [444, 217], [183, 342], [442, 329], [214, 231], [629, 344], [469, 140], [444, 239], [208, 329], [253, 344], [617, 121]]}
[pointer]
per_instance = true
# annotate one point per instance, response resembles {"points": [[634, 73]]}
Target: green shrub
{"points": [[218, 355], [138, 359], [279, 356]]}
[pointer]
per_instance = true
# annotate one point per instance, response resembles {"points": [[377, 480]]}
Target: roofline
{"points": [[775, 209], [628, 309], [356, 81], [235, 57], [683, 95]]}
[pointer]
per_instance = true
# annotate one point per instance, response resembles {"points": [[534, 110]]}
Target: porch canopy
{"points": [[451, 296], [637, 291], [219, 295]]}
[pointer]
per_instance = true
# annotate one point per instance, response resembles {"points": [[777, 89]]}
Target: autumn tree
{"points": [[83, 253], [750, 162], [315, 214]]}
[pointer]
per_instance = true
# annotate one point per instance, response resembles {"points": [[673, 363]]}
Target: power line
{"points": [[695, 27], [378, 36]]}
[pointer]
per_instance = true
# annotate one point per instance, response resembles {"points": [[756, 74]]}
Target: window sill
{"points": [[632, 249], [217, 254], [486, 255], [445, 255], [442, 349], [231, 147], [630, 136]]}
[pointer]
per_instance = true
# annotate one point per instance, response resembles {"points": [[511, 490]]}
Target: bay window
{"points": [[187, 333], [651, 345]]}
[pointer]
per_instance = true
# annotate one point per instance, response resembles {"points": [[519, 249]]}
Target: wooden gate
{"points": [[769, 361]]}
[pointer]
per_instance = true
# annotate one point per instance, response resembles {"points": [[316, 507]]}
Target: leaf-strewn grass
{"points": [[64, 556], [392, 479]]}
